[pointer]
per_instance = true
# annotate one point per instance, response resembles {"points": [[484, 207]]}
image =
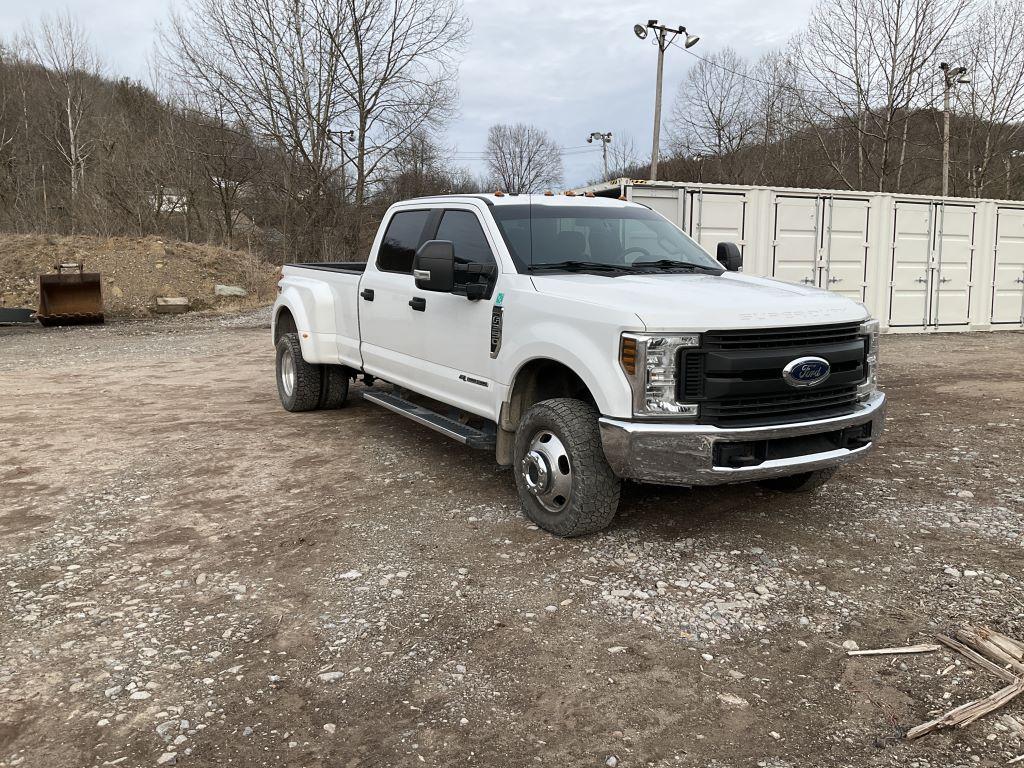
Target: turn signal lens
{"points": [[628, 356]]}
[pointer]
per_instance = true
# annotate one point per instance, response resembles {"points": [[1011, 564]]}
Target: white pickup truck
{"points": [[584, 340]]}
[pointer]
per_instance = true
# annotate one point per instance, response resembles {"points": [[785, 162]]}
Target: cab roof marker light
{"points": [[548, 193], [570, 193], [498, 193]]}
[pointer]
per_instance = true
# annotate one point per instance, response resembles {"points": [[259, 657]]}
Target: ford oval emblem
{"points": [[806, 371]]}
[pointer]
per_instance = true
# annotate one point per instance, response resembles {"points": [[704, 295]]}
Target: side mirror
{"points": [[729, 256], [433, 267]]}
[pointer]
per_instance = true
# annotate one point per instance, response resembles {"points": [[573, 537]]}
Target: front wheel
{"points": [[564, 481], [801, 483]]}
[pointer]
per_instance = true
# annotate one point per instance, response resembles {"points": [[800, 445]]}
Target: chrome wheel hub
{"points": [[288, 373], [546, 471]]}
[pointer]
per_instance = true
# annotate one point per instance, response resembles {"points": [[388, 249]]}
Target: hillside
{"points": [[135, 271]]}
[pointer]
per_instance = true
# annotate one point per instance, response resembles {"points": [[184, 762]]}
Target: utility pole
{"points": [[664, 38], [950, 76], [605, 139], [1008, 162]]}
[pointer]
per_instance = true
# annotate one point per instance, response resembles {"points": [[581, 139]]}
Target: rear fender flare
{"points": [[311, 304]]}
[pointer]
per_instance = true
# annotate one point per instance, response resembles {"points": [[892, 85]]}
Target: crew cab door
{"points": [[456, 330], [390, 328]]}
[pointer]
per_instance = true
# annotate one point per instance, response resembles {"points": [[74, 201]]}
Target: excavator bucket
{"points": [[71, 296]]}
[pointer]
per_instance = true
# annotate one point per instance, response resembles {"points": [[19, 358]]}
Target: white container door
{"points": [[822, 241], [954, 265], [843, 265], [911, 264], [1008, 280], [932, 263], [796, 239], [717, 217]]}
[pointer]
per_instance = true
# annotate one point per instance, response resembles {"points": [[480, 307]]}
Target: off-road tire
{"points": [[594, 498], [804, 482], [305, 394], [333, 386]]}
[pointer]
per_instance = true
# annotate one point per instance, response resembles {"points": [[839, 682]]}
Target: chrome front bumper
{"points": [[684, 454]]}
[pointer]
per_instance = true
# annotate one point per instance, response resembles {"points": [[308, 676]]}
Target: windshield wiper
{"points": [[579, 266], [670, 264]]}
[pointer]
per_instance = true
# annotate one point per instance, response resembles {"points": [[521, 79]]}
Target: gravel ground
{"points": [[191, 576]]}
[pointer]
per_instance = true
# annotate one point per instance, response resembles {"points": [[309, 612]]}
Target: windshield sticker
{"points": [[501, 298]]}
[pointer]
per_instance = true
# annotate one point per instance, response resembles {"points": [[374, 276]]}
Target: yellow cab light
{"points": [[548, 193], [570, 193], [498, 193]]}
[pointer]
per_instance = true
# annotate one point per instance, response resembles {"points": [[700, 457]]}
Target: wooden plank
{"points": [[987, 648], [966, 714], [1008, 644], [976, 658], [922, 648]]}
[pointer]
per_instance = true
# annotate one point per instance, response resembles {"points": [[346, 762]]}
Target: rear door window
{"points": [[463, 229], [402, 238]]}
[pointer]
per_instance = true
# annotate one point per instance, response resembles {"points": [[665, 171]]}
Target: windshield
{"points": [[597, 238]]}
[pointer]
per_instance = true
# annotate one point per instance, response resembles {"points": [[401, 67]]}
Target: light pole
{"points": [[664, 38], [950, 76], [605, 139]]}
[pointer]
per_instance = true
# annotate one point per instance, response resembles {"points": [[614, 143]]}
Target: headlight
{"points": [[651, 362], [869, 330]]}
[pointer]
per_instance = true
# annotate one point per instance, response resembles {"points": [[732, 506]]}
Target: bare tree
{"points": [[396, 62], [992, 107], [713, 114], [273, 65], [864, 65], [61, 46], [523, 158], [623, 156]]}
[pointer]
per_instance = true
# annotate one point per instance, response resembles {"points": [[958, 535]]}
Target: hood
{"points": [[696, 302]]}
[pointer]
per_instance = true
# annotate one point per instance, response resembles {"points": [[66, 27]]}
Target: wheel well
{"points": [[285, 323], [537, 380]]}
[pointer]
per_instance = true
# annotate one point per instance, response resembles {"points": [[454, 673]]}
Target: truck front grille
{"points": [[736, 376], [768, 338]]}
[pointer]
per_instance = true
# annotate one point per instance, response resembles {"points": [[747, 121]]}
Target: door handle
{"points": [[418, 303], [835, 280], [367, 293], [921, 280]]}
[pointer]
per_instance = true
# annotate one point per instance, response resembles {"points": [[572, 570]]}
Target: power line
{"points": [[795, 88], [564, 152]]}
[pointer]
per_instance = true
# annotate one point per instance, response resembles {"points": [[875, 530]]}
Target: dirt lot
{"points": [[191, 575]]}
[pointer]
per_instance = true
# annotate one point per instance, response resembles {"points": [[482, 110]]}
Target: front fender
{"points": [[595, 361]]}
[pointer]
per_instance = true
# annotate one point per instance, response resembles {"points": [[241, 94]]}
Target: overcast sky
{"points": [[570, 67]]}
